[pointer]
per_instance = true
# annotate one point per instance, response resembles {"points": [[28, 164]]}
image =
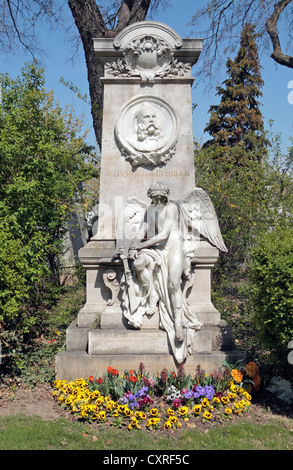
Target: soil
{"points": [[29, 402], [40, 402]]}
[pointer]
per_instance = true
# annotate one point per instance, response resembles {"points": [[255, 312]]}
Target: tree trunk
{"points": [[91, 24]]}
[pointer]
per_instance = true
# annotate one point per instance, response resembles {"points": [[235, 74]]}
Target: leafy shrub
{"points": [[44, 162], [271, 291], [33, 362]]}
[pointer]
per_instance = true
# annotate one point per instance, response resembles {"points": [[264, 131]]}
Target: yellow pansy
{"points": [[197, 409], [127, 412], [183, 410], [173, 419], [102, 415], [207, 415], [225, 400], [153, 421], [167, 425], [109, 407]]}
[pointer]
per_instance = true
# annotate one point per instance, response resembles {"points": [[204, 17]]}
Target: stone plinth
{"points": [[91, 351], [71, 365]]}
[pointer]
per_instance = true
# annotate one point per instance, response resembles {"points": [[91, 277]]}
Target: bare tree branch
{"points": [[16, 28], [271, 27], [223, 22], [19, 18], [93, 19]]}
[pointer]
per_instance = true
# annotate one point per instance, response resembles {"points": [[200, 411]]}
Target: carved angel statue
{"points": [[157, 243]]}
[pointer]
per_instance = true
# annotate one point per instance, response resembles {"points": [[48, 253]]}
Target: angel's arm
{"points": [[163, 234]]}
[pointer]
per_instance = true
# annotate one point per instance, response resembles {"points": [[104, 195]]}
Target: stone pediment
{"points": [[146, 51], [148, 28]]}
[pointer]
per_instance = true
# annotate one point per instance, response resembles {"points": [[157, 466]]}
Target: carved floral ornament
{"points": [[147, 57], [147, 131]]}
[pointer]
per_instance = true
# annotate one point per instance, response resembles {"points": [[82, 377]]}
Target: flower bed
{"points": [[166, 400]]}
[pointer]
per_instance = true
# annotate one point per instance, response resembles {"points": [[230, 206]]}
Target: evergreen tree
{"points": [[237, 121]]}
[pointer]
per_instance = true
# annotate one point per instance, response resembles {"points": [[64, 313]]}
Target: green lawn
{"points": [[33, 433]]}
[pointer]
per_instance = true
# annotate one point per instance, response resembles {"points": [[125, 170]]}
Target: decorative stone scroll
{"points": [[147, 131], [109, 278]]}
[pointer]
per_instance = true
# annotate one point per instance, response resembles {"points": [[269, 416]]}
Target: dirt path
{"points": [[38, 401]]}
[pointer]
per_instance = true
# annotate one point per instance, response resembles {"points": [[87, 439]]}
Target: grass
{"points": [[33, 433]]}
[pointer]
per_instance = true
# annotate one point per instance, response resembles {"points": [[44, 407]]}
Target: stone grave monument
{"points": [[148, 265]]}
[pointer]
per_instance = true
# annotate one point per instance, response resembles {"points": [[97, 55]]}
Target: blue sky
{"points": [[277, 103]]}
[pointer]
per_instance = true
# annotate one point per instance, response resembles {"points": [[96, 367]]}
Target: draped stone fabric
{"points": [[156, 296]]}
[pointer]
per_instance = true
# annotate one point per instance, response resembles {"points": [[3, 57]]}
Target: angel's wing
{"points": [[199, 213], [131, 223]]}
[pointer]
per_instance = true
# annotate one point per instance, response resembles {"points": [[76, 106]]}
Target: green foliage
{"points": [[251, 202], [233, 166], [44, 161], [251, 188], [33, 362], [271, 291], [248, 198]]}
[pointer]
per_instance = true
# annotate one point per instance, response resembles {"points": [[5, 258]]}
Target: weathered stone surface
{"points": [[147, 138], [71, 365], [161, 77], [128, 342]]}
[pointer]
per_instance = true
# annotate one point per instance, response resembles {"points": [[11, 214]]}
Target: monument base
{"points": [[71, 365], [91, 351]]}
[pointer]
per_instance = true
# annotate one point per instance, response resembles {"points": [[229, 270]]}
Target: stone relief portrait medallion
{"points": [[147, 131]]}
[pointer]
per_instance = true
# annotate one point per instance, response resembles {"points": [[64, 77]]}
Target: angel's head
{"points": [[158, 192]]}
